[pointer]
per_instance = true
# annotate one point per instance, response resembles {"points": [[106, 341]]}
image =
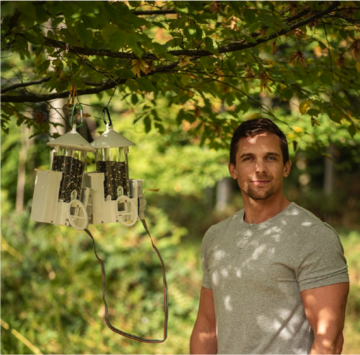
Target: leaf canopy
{"points": [[216, 63]]}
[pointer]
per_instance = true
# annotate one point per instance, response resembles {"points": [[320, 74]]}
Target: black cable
{"points": [[118, 331]]}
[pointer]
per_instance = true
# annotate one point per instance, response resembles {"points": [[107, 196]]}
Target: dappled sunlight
{"points": [[227, 303], [224, 272], [284, 325], [306, 224]]}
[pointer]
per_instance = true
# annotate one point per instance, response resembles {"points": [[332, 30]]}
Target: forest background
{"points": [[177, 77]]}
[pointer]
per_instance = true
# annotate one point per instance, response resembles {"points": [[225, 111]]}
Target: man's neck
{"points": [[257, 211]]}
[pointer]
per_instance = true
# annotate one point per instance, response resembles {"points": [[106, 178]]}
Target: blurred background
{"points": [[51, 290]]}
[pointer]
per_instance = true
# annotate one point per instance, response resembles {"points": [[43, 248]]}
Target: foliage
{"points": [[213, 62], [51, 287]]}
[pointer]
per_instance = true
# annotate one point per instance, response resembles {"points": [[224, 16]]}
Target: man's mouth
{"points": [[260, 182]]}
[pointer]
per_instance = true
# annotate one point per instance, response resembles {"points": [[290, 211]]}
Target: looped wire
{"points": [[107, 110], [81, 115]]}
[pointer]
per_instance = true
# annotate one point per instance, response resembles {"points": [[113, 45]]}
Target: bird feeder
{"points": [[114, 197], [67, 195], [57, 194]]}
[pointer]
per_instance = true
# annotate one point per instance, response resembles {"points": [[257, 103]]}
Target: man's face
{"points": [[259, 168]]}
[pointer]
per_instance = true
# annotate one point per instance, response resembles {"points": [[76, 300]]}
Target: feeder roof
{"points": [[111, 139], [72, 140]]}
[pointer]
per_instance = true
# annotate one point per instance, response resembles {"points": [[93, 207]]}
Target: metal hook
{"points": [[81, 115], [107, 110]]}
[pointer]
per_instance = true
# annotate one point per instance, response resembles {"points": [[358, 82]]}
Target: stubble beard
{"points": [[259, 194]]}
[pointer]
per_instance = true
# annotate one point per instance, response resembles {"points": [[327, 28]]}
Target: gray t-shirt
{"points": [[256, 273]]}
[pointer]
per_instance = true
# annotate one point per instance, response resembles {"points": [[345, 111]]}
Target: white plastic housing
{"points": [[47, 208], [100, 210]]}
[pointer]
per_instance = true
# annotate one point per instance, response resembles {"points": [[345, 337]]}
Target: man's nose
{"points": [[260, 166]]}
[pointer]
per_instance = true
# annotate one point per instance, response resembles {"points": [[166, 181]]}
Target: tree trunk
{"points": [[329, 177], [20, 189], [224, 192]]}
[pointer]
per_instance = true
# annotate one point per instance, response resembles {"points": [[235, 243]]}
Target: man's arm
{"points": [[325, 311], [203, 338]]}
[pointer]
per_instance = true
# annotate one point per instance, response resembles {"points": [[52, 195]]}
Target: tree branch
{"points": [[22, 85], [239, 46], [60, 95], [193, 53], [161, 69], [89, 51], [57, 95], [155, 12]]}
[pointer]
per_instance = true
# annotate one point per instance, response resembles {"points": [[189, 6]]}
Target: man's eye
{"points": [[271, 158]]}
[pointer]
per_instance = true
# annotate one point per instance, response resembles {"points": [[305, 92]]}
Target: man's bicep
{"points": [[325, 309]]}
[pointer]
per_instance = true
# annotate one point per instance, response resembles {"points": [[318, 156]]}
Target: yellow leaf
{"points": [[186, 60], [304, 106], [140, 66], [298, 129], [255, 115], [220, 74], [358, 66], [291, 135]]}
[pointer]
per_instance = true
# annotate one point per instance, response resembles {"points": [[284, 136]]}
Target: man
{"points": [[275, 276]]}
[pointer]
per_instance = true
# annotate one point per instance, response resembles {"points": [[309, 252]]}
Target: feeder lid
{"points": [[111, 139], [72, 140]]}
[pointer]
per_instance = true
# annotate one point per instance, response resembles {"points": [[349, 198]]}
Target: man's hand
{"points": [[325, 311], [203, 338]]}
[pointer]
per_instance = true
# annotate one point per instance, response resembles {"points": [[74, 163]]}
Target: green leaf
{"points": [[249, 15], [160, 128], [135, 3], [288, 94], [209, 45], [134, 99], [236, 6], [85, 35], [41, 15], [42, 68], [66, 36], [147, 124], [145, 84], [314, 112], [132, 84], [7, 10], [352, 130]]}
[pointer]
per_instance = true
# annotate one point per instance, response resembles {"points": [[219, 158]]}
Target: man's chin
{"points": [[259, 196]]}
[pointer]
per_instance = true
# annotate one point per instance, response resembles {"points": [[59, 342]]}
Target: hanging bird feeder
{"points": [[57, 194], [114, 197], [68, 195]]}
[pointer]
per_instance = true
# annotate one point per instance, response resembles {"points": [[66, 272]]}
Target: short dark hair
{"points": [[254, 127]]}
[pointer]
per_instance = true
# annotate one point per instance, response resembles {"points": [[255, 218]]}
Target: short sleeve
{"points": [[322, 261], [204, 260]]}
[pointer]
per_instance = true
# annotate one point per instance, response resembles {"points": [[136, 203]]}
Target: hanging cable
{"points": [[165, 294]]}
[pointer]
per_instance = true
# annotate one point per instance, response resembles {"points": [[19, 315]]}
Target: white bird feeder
{"points": [[57, 193], [67, 195], [109, 193]]}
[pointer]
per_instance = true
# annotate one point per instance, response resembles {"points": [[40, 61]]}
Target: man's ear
{"points": [[287, 168], [232, 171]]}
